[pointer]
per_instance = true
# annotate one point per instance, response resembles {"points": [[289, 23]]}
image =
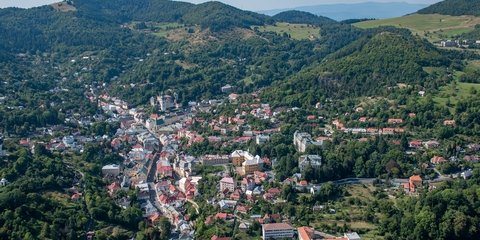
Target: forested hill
{"points": [[214, 15], [367, 67], [295, 16], [454, 8]]}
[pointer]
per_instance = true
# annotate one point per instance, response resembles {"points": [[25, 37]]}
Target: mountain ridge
{"points": [[344, 11]]}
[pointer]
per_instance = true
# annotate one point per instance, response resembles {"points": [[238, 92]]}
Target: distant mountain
{"points": [[294, 16], [360, 10], [454, 8]]}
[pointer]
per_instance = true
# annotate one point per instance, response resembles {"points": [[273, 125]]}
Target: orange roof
{"points": [[415, 178], [305, 232]]}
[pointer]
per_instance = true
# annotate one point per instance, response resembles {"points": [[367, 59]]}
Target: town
{"points": [[170, 177]]}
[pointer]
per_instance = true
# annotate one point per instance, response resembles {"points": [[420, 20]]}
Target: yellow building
{"points": [[252, 165], [240, 156]]}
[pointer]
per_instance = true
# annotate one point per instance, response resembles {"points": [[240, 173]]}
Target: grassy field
{"points": [[296, 31], [432, 26], [455, 93]]}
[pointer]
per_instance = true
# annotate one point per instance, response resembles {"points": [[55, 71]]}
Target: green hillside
{"points": [[434, 27], [367, 67], [453, 8]]}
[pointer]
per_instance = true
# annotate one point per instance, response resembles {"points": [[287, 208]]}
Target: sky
{"points": [[253, 5]]}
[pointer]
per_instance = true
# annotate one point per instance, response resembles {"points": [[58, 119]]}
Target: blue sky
{"points": [[253, 5]]}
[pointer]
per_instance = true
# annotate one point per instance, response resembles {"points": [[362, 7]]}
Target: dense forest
{"points": [[448, 212], [376, 58], [453, 8], [295, 16]]}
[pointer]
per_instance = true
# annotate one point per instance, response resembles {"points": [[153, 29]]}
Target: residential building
{"points": [[248, 183], [352, 236], [431, 144], [395, 121], [415, 144], [448, 43], [3, 153], [3, 182], [227, 88], [449, 122], [252, 165], [164, 169], [306, 233], [314, 160], [301, 140], [277, 231], [184, 165], [261, 139], [438, 160], [113, 169], [227, 183]]}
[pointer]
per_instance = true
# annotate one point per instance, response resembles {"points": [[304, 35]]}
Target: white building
{"points": [[260, 139], [3, 153], [111, 169], [302, 140], [314, 160], [227, 183], [227, 88], [352, 236], [277, 231], [3, 182], [68, 140]]}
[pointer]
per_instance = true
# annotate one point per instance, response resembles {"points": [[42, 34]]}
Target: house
{"points": [[227, 183], [352, 236], [237, 194], [415, 182], [412, 114], [415, 144], [227, 88], [362, 119], [472, 159], [277, 231], [306, 233], [248, 183], [3, 182], [76, 196], [209, 220], [449, 122], [438, 160], [244, 226], [314, 161], [243, 209], [395, 121], [388, 130], [474, 146], [466, 174], [318, 208], [274, 191], [431, 144], [289, 181], [219, 238], [223, 216], [358, 109]]}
